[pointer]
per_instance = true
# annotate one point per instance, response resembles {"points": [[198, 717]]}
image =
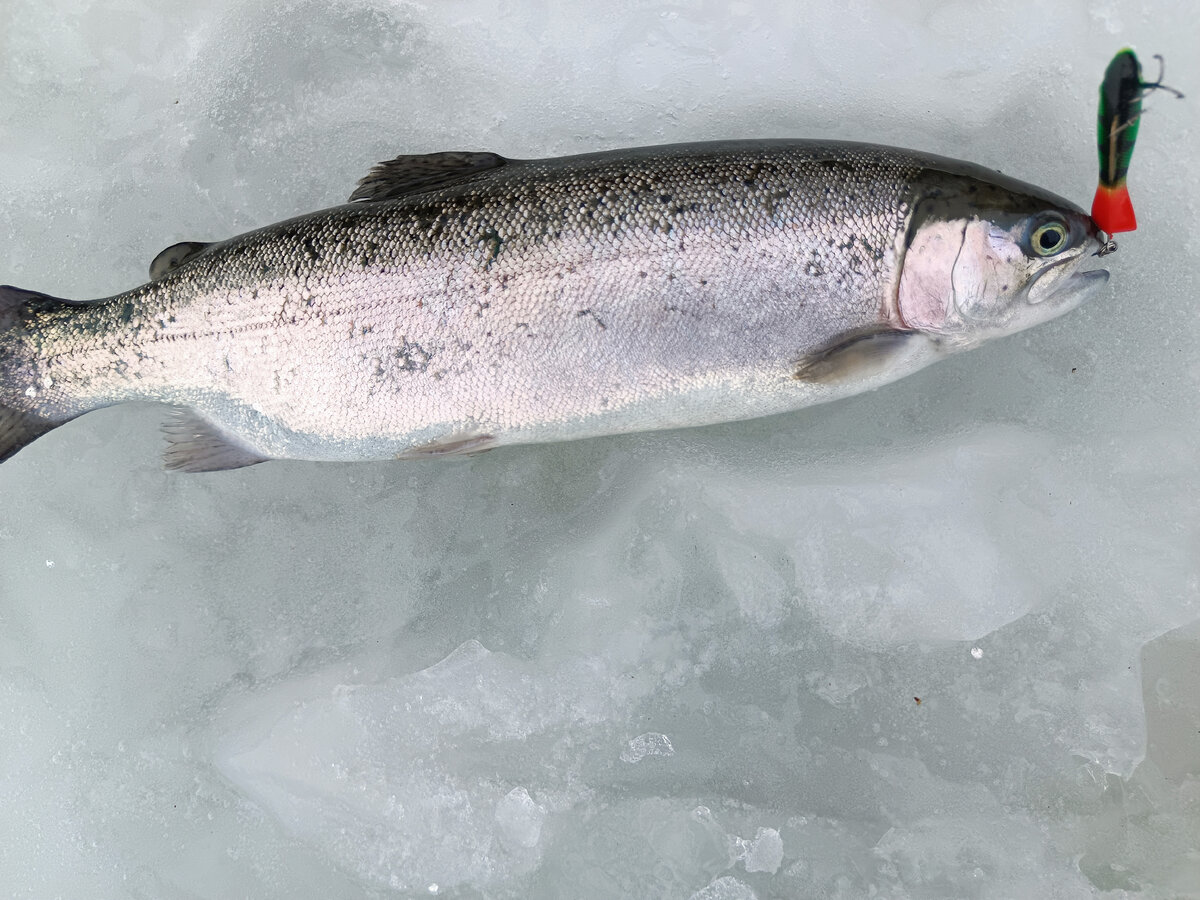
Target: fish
{"points": [[463, 301]]}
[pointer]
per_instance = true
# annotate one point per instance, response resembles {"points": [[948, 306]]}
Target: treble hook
{"points": [[1148, 86]]}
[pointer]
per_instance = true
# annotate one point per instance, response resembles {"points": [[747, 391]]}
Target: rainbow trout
{"points": [[463, 301]]}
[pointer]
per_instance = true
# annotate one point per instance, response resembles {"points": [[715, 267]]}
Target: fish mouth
{"points": [[1065, 287], [1081, 286]]}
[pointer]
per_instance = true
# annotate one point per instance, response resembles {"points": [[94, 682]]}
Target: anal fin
{"points": [[865, 355], [196, 445]]}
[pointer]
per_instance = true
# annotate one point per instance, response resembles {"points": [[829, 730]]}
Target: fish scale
{"points": [[474, 301]]}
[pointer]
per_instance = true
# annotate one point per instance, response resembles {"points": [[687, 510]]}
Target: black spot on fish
{"points": [[411, 357], [593, 316]]}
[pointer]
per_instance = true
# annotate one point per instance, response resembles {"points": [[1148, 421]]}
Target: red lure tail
{"points": [[1112, 209]]}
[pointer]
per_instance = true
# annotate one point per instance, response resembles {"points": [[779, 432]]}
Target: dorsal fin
{"points": [[408, 174], [174, 257]]}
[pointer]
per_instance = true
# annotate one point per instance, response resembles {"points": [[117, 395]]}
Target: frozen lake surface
{"points": [[681, 665]]}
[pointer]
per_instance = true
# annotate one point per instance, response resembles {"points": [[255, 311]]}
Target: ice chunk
{"points": [[649, 744], [764, 853], [388, 778], [725, 888], [519, 818]]}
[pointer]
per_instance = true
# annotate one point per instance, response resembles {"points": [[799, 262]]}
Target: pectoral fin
{"points": [[866, 355]]}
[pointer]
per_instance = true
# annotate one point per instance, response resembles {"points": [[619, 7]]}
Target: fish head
{"points": [[988, 256]]}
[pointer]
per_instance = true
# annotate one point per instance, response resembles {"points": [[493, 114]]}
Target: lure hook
{"points": [[1158, 85]]}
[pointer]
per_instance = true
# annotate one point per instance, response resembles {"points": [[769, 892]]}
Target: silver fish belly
{"points": [[465, 301]]}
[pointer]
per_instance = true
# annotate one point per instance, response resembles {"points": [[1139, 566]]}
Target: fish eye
{"points": [[1049, 238]]}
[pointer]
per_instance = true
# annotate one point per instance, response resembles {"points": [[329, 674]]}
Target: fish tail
{"points": [[25, 415], [19, 428]]}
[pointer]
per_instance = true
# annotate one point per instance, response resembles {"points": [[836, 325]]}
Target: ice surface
{"points": [[674, 665]]}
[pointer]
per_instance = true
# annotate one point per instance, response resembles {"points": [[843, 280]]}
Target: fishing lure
{"points": [[1121, 95]]}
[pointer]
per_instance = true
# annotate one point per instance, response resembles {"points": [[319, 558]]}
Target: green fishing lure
{"points": [[1121, 95]]}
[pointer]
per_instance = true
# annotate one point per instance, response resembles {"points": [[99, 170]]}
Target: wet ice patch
{"points": [[903, 529]]}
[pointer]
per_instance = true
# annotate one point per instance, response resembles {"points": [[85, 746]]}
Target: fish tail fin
{"points": [[19, 428], [23, 417]]}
